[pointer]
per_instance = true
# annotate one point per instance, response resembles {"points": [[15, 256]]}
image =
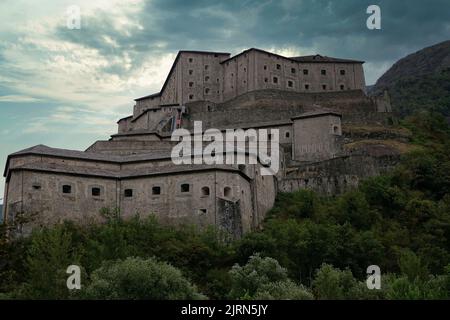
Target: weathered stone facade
{"points": [[133, 172]]}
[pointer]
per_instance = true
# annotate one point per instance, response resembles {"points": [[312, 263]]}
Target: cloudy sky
{"points": [[67, 87]]}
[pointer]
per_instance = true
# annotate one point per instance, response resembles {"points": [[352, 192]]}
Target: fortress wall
{"points": [[49, 205], [265, 193], [124, 125], [147, 103], [315, 138], [240, 191], [125, 147], [201, 76], [337, 175], [256, 70], [27, 159]]}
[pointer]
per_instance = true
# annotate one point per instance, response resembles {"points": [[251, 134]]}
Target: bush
{"points": [[264, 278], [136, 278]]}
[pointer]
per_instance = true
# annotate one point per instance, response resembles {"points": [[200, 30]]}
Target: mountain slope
{"points": [[419, 81]]}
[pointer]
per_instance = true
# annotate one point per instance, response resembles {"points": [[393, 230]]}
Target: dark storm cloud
{"points": [[331, 27]]}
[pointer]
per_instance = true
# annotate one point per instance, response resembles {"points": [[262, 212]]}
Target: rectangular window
{"points": [[66, 189], [324, 87], [191, 72], [95, 192], [185, 187], [290, 84], [278, 66], [306, 86], [275, 80], [128, 193], [305, 72], [323, 72], [156, 190], [292, 70], [342, 72]]}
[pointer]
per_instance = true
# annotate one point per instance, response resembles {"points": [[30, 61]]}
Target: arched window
{"points": [[205, 191]]}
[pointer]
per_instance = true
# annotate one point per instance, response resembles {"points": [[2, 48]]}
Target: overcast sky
{"points": [[66, 88]]}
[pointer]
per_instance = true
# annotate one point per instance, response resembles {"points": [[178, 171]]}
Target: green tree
{"points": [[264, 278], [136, 278]]}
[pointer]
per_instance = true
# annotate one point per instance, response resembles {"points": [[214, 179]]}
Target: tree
{"points": [[137, 278], [264, 278]]}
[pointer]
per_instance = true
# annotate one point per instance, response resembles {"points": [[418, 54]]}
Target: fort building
{"points": [[308, 99]]}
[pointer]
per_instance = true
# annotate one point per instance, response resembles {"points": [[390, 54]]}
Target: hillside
{"points": [[419, 81]]}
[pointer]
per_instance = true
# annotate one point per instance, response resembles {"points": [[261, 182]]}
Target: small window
{"points": [[265, 67], [324, 87], [290, 84], [206, 79], [191, 72], [266, 80], [205, 191], [209, 108], [217, 79], [156, 190], [335, 129], [227, 192], [191, 84], [323, 72], [206, 90], [245, 69], [66, 189], [275, 80], [342, 72], [95, 192], [128, 193], [305, 72], [287, 134], [185, 187], [202, 211], [191, 97], [278, 66], [306, 86], [342, 87], [293, 70], [206, 67], [36, 186], [190, 59]]}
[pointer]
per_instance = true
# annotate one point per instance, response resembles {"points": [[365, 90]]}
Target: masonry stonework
{"points": [[308, 99]]}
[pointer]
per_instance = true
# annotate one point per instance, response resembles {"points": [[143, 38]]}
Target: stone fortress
{"points": [[310, 99]]}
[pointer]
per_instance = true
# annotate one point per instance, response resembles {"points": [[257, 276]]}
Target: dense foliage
{"points": [[430, 92], [311, 247]]}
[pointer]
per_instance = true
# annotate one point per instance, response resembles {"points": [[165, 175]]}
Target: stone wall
{"points": [[315, 138], [337, 175]]}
